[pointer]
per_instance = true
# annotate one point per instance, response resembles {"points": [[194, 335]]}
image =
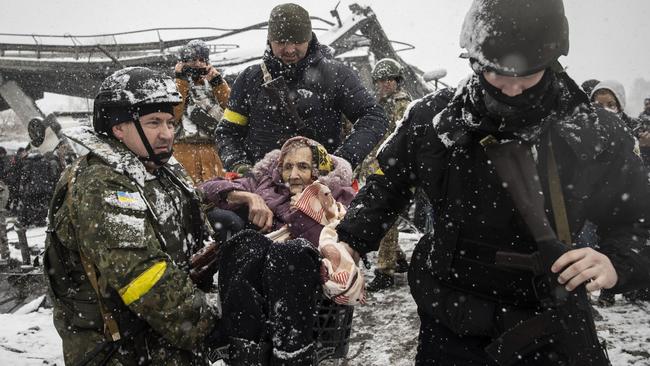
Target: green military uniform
{"points": [[134, 229], [395, 106], [389, 250]]}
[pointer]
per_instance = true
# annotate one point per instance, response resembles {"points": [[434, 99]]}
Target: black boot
{"points": [[382, 281], [243, 352]]}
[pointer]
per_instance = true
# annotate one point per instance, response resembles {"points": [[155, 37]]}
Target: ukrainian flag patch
{"points": [[128, 200]]}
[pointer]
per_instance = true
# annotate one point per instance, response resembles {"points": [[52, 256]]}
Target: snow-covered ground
{"points": [[384, 331]]}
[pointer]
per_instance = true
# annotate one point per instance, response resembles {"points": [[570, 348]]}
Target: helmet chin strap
{"points": [[153, 157]]}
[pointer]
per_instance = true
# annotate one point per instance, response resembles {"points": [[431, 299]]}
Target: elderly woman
{"points": [[269, 290], [263, 200]]}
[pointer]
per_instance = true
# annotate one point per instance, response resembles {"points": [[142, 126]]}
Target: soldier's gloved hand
{"points": [[242, 169]]}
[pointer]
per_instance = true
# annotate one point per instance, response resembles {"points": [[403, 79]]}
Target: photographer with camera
{"points": [[204, 97]]}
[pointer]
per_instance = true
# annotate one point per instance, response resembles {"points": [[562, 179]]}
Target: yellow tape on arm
{"points": [[143, 283], [379, 171], [234, 117]]}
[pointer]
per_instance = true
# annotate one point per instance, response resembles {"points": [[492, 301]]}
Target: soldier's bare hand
{"points": [[585, 265]]}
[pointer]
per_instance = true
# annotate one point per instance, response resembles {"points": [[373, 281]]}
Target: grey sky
{"points": [[609, 39]]}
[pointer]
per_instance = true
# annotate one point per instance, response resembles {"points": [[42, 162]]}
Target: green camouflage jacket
{"points": [[394, 106], [135, 229]]}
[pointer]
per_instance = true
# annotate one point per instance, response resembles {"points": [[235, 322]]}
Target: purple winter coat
{"points": [[267, 183]]}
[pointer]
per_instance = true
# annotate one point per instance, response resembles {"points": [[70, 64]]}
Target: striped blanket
{"points": [[344, 279]]}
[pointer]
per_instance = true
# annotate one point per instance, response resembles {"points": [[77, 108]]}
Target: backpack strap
{"points": [[111, 329]]}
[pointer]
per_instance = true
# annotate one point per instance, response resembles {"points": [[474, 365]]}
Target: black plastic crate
{"points": [[332, 332], [333, 328]]}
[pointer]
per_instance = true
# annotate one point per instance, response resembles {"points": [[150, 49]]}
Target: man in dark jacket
{"points": [[319, 88], [464, 297]]}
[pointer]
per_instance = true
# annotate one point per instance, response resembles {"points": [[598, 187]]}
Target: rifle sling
{"points": [[288, 108], [557, 198], [111, 330]]}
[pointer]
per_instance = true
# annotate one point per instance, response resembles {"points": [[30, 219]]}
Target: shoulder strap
{"points": [[111, 330], [265, 72], [557, 198]]}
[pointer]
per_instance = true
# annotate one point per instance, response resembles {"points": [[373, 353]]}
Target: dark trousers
{"points": [[269, 293], [438, 345]]}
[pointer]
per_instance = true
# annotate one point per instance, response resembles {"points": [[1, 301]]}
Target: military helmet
{"points": [[387, 68], [131, 87], [195, 49], [515, 37]]}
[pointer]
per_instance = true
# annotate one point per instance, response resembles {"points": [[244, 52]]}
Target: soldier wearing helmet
{"points": [[485, 311], [204, 97], [123, 225], [387, 76]]}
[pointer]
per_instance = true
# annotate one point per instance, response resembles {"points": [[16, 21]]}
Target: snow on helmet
{"points": [[132, 87], [515, 37], [387, 68], [195, 50]]}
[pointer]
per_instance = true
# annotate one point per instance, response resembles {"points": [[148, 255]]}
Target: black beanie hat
{"points": [[289, 23]]}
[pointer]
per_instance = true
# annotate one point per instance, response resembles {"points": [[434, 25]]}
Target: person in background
{"points": [[298, 88], [387, 76], [610, 94], [13, 173], [643, 131], [204, 95]]}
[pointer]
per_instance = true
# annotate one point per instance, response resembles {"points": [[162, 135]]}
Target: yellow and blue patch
{"points": [[128, 200]]}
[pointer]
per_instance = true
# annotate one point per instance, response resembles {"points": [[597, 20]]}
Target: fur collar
{"points": [[114, 154], [340, 176]]}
